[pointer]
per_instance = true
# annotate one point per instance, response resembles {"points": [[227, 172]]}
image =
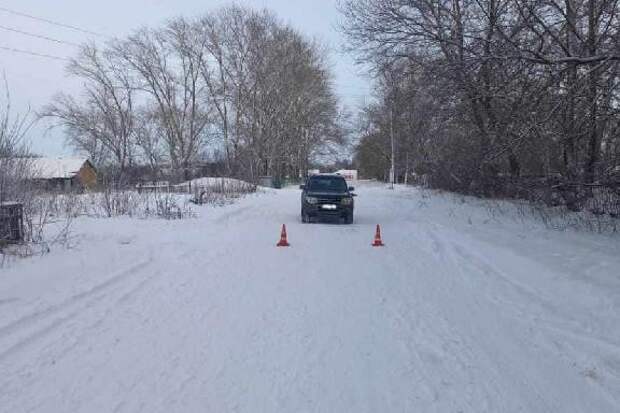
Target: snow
{"points": [[50, 168], [215, 182], [461, 311]]}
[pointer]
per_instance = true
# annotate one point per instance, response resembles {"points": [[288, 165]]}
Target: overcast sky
{"points": [[34, 80]]}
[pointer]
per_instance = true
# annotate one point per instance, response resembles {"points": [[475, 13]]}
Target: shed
{"points": [[64, 173]]}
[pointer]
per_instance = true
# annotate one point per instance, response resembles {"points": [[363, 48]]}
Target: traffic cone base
{"points": [[378, 242], [283, 238]]}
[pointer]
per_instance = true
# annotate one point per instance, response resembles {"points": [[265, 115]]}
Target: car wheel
{"points": [[304, 217], [348, 219]]}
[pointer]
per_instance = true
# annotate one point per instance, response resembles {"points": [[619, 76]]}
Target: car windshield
{"points": [[327, 184]]}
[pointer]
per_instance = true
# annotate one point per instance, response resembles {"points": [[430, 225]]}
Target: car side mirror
{"points": [[353, 194], [351, 189], [302, 187]]}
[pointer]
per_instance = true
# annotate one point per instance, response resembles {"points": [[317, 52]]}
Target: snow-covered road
{"points": [[458, 313]]}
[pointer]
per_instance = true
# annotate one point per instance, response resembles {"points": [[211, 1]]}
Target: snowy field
{"points": [[460, 312]]}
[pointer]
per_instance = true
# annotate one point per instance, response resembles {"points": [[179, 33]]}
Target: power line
{"points": [[38, 36], [47, 56], [52, 22]]}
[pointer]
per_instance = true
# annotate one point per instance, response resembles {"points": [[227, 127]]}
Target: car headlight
{"points": [[311, 200], [346, 201]]}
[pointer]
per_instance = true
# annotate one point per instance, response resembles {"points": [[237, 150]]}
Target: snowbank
{"points": [[217, 184]]}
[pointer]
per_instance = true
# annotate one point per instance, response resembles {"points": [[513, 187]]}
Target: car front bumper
{"points": [[320, 210]]}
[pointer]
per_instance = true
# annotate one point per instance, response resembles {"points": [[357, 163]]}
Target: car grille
{"points": [[323, 201], [329, 201]]}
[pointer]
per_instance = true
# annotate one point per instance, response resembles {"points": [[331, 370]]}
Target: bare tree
{"points": [[271, 92], [235, 81], [168, 70], [530, 87], [103, 123], [15, 164]]}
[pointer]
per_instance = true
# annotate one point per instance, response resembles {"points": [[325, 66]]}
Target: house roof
{"points": [[51, 168]]}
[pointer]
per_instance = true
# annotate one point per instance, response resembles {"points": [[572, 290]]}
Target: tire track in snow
{"points": [[442, 359], [484, 355], [36, 335], [510, 299], [38, 324], [7, 301], [74, 299], [548, 315], [60, 337], [554, 328]]}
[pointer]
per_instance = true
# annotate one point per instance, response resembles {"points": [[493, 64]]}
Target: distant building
{"points": [[348, 174], [64, 174]]}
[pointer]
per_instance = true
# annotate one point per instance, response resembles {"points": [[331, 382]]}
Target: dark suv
{"points": [[327, 196]]}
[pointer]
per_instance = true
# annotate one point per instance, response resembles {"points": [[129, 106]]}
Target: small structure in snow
{"points": [[267, 181], [64, 173], [348, 174], [11, 222]]}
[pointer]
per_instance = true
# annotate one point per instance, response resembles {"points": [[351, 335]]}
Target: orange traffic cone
{"points": [[378, 242], [283, 239]]}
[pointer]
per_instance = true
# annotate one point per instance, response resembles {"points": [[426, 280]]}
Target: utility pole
{"points": [[391, 100], [392, 167], [406, 168]]}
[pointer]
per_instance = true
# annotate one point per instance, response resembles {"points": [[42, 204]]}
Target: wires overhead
{"points": [[54, 23], [14, 29], [38, 36], [47, 56]]}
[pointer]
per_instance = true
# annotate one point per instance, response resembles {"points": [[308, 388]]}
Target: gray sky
{"points": [[34, 80]]}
